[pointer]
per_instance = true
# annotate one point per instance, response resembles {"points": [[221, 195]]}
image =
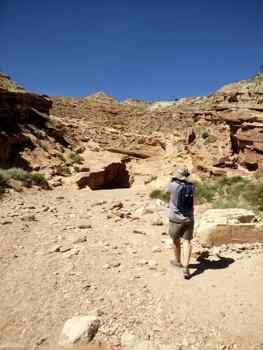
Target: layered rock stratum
{"points": [[220, 131], [214, 135]]}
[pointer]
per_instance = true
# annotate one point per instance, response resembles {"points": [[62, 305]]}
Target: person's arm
{"points": [[167, 194]]}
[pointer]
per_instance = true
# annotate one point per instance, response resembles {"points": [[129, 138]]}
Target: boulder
{"points": [[79, 329], [228, 216], [224, 226], [105, 171], [218, 234]]}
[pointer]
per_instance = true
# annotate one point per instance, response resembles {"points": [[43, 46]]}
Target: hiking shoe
{"points": [[176, 264], [186, 273]]}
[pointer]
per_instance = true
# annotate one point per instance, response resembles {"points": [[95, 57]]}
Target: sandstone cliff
{"points": [[220, 132], [30, 137], [217, 134]]}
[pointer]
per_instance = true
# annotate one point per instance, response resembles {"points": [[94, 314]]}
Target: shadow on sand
{"points": [[205, 264]]}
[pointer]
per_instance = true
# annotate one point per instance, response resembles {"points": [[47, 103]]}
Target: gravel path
{"points": [[67, 252]]}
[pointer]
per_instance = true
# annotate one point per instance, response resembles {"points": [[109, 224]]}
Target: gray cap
{"points": [[181, 173]]}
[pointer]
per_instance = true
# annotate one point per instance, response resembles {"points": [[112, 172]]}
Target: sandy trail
{"points": [[50, 273]]}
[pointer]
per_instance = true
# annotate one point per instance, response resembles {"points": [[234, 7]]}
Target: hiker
{"points": [[181, 217]]}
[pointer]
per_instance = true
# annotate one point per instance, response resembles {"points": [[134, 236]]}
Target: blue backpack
{"points": [[185, 199]]}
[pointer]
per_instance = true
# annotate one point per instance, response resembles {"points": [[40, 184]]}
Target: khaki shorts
{"points": [[184, 230]]}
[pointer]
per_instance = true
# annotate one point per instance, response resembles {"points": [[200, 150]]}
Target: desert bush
{"points": [[25, 177], [3, 178], [231, 192], [61, 170], [226, 192], [61, 157], [159, 194], [258, 174], [75, 158], [254, 195], [204, 191], [210, 139]]}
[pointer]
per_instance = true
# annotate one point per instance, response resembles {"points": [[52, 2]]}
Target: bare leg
{"points": [[177, 251], [187, 249]]}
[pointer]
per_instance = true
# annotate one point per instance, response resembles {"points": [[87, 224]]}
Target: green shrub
{"points": [[258, 174], [26, 177], [227, 202], [226, 192], [210, 139], [159, 194], [235, 192], [75, 158], [254, 195], [3, 179], [204, 191]]}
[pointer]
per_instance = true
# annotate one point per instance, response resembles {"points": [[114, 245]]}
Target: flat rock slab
{"points": [[218, 234], [228, 216]]}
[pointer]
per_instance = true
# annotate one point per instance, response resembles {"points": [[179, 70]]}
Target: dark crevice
{"points": [[233, 139]]}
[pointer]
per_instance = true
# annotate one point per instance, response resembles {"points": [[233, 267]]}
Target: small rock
{"points": [[68, 254], [200, 253], [152, 264], [106, 267], [54, 248], [156, 249], [79, 329], [158, 222], [143, 262], [6, 222], [117, 205], [168, 242], [56, 182], [84, 169], [31, 207], [116, 264], [143, 211], [45, 209], [98, 203], [80, 239], [84, 226], [139, 232], [65, 248], [29, 218]]}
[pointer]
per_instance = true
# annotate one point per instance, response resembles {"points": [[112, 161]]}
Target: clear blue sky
{"points": [[149, 49]]}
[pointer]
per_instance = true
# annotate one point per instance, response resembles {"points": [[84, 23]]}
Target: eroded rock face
{"points": [[27, 130], [221, 131]]}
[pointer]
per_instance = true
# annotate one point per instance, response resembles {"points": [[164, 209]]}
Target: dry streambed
{"points": [[71, 253]]}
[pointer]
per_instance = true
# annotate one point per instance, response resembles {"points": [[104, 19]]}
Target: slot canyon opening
{"points": [[234, 141]]}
